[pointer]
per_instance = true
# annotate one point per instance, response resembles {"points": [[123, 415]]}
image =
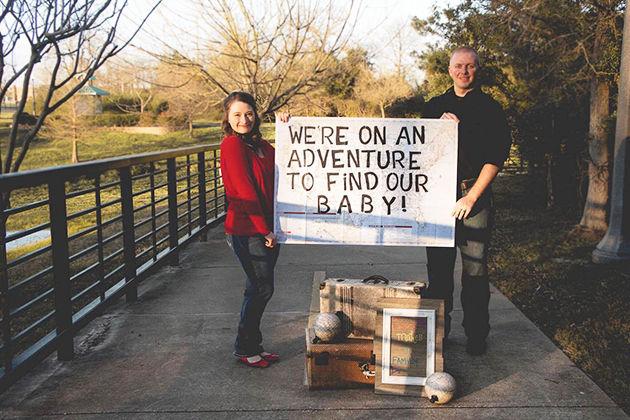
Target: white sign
{"points": [[366, 181]]}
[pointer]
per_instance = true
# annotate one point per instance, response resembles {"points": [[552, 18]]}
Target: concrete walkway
{"points": [[168, 356]]}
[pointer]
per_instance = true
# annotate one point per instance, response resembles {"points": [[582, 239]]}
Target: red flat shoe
{"points": [[270, 357], [254, 361]]}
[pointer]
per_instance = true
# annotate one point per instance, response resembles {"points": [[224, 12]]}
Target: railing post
{"points": [[61, 268], [129, 245], [172, 209], [188, 197], [201, 171], [215, 186], [153, 217], [99, 236], [7, 351]]}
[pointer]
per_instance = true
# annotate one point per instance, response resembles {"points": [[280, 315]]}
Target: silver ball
{"points": [[327, 326], [440, 387]]}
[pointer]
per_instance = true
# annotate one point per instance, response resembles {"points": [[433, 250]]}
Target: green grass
{"points": [[97, 144], [103, 143], [542, 262]]}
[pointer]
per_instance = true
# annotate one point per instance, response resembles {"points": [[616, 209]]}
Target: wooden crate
{"points": [[338, 365]]}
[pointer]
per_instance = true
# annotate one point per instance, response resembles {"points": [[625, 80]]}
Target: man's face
{"points": [[462, 69]]}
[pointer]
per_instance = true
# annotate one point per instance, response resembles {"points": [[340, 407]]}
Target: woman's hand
{"points": [[270, 240], [283, 116]]}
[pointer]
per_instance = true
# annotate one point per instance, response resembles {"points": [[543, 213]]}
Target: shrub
{"points": [[147, 119], [159, 106], [114, 103], [171, 120], [408, 107], [115, 120], [26, 119], [214, 113]]}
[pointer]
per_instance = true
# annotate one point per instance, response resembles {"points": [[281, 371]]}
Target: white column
{"points": [[615, 246]]}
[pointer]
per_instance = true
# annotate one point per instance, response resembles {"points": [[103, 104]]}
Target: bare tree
{"points": [[68, 123], [382, 91], [59, 31], [132, 81], [186, 94], [274, 50]]}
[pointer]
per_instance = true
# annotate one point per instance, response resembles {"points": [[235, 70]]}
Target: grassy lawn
{"points": [[97, 144], [542, 262], [103, 143]]}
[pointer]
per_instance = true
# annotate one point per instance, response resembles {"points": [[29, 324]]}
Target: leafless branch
{"points": [[61, 32], [274, 50]]}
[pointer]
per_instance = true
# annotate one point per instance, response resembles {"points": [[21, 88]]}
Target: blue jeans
{"points": [[472, 237], [258, 262]]}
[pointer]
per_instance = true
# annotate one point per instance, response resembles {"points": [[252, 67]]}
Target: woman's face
{"points": [[241, 117]]}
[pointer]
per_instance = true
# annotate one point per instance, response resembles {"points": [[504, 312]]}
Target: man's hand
{"points": [[449, 116], [463, 207], [270, 240]]}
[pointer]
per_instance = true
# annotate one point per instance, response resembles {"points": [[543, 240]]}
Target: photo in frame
{"points": [[407, 344]]}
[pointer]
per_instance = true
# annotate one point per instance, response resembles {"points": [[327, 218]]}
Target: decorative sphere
{"points": [[327, 326], [440, 387]]}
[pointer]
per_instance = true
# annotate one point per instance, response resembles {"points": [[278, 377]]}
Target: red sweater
{"points": [[249, 187]]}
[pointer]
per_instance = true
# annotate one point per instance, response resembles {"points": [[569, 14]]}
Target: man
{"points": [[484, 144]]}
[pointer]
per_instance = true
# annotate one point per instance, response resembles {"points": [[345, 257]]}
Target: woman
{"points": [[247, 167]]}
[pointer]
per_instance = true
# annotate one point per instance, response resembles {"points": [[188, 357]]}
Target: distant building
{"points": [[89, 99], [8, 107]]}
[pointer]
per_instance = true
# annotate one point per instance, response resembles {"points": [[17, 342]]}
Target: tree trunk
{"points": [[75, 151], [551, 161], [190, 128], [595, 215], [549, 180], [382, 106]]}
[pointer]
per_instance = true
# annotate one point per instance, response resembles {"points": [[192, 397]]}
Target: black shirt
{"points": [[483, 132]]}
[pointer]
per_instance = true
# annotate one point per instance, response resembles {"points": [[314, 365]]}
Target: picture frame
{"points": [[408, 340]]}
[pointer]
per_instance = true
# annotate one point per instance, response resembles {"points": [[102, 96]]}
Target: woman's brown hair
{"points": [[249, 100]]}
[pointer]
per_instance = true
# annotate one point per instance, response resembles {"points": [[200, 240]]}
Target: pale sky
{"points": [[378, 23]]}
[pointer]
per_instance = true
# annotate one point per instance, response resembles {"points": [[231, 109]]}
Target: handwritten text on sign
{"points": [[365, 181]]}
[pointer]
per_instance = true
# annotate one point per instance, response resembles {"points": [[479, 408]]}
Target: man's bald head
{"points": [[463, 68], [467, 50]]}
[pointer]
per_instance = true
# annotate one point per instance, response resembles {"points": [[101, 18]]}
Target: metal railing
{"points": [[111, 223]]}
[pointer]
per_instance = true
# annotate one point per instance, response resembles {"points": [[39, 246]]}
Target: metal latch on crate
{"points": [[365, 366]]}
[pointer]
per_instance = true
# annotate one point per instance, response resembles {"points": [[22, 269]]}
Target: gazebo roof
{"points": [[92, 91]]}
